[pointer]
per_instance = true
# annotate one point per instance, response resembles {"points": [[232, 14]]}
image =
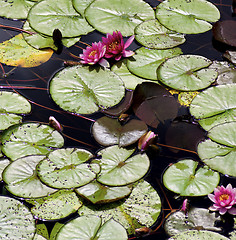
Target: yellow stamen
{"points": [[92, 53], [224, 197], [113, 45]]}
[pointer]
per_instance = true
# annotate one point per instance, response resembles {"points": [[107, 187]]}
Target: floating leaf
{"points": [[16, 220], [188, 17], [219, 151], [66, 168], [196, 218], [81, 5], [187, 73], [3, 164], [41, 232], [140, 209], [47, 15], [108, 131], [16, 52], [152, 34], [153, 104], [185, 98], [10, 105], [146, 61], [22, 180], [56, 206], [119, 168], [188, 179], [98, 193], [55, 230], [91, 227], [84, 90], [215, 105], [231, 56], [30, 138], [121, 15]]}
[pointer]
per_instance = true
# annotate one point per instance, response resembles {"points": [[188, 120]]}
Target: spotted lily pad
{"points": [[215, 105], [30, 138], [10, 105], [98, 193], [140, 209], [22, 180], [85, 90], [91, 227], [152, 34], [146, 61], [218, 152], [187, 73], [119, 168], [4, 162], [67, 168], [108, 131], [188, 179], [121, 15], [16, 222], [47, 15], [188, 17]]}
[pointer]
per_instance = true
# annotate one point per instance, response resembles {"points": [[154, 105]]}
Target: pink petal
{"points": [[128, 53], [232, 211], [104, 63], [212, 197], [222, 211], [129, 41]]}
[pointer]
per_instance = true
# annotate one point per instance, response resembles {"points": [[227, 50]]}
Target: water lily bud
{"points": [[146, 140], [55, 124], [144, 231]]}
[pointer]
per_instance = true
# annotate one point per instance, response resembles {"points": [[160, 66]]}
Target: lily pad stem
{"points": [[17, 29]]}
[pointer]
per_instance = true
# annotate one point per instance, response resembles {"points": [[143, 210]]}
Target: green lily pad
{"points": [[85, 90], [140, 209], [11, 104], [22, 180], [187, 73], [98, 193], [121, 15], [108, 131], [81, 5], [91, 227], [195, 234], [3, 164], [15, 9], [119, 168], [215, 105], [152, 34], [67, 168], [190, 17], [146, 61], [188, 179], [47, 15], [218, 152], [195, 218], [56, 206], [41, 232], [30, 139], [16, 222]]}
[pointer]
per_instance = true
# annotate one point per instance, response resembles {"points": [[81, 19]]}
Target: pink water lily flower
{"points": [[224, 199], [146, 140], [94, 54], [115, 46]]}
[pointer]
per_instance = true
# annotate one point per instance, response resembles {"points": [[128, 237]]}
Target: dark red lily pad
{"points": [[224, 31], [153, 104]]}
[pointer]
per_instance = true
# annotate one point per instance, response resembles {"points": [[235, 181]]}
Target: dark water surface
{"points": [[77, 129]]}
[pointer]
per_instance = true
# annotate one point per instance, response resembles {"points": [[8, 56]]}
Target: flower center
{"points": [[92, 53], [113, 45], [224, 197]]}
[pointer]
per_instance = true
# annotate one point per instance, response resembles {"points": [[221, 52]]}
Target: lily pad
{"points": [[3, 164], [187, 73], [15, 9], [22, 180], [30, 139], [47, 15], [218, 152], [188, 179], [91, 227], [231, 56], [146, 61], [140, 209], [16, 222], [215, 105], [121, 15], [81, 5], [11, 104], [85, 90], [98, 193], [190, 17], [56, 206], [108, 131], [119, 168], [152, 34], [67, 168]]}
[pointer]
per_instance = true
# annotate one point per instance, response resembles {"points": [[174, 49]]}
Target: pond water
{"points": [[32, 83]]}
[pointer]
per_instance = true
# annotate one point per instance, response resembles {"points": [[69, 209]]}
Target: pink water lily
{"points": [[146, 140], [224, 199], [115, 46]]}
